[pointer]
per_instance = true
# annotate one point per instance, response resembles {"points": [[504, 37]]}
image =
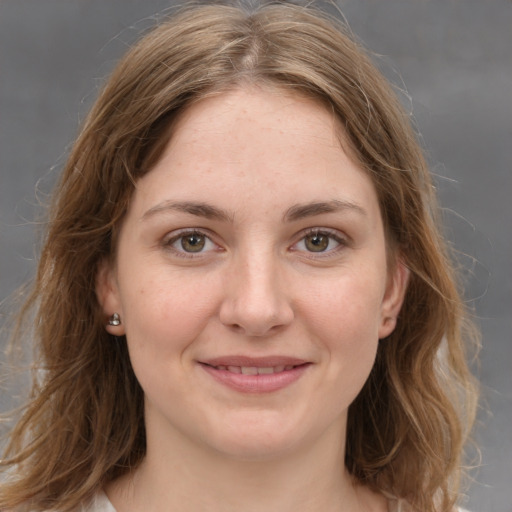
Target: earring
{"points": [[114, 320]]}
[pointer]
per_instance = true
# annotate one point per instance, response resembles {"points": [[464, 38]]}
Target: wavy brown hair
{"points": [[84, 424]]}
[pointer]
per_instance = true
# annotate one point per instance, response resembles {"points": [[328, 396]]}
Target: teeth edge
{"points": [[252, 370]]}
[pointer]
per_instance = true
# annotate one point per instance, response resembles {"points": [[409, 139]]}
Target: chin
{"points": [[256, 449], [260, 439]]}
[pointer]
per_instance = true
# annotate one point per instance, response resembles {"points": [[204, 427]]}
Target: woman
{"points": [[243, 300]]}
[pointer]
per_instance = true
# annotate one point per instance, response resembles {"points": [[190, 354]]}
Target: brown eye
{"points": [[194, 242], [189, 243], [316, 242]]}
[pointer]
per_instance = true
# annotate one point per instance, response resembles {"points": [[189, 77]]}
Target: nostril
{"points": [[255, 308]]}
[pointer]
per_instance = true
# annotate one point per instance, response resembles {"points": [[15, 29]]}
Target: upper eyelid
{"points": [[320, 229], [340, 238], [177, 233], [334, 233], [171, 237]]}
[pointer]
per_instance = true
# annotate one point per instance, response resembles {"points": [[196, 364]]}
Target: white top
{"points": [[101, 503]]}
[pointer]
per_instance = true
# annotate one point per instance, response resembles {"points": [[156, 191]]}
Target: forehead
{"points": [[245, 142], [269, 110]]}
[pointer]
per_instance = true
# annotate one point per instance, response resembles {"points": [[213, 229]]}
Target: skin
{"points": [[275, 181]]}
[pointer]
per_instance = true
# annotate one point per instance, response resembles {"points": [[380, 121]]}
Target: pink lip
{"points": [[261, 383], [258, 362]]}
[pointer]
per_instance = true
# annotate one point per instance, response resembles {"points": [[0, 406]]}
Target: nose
{"points": [[255, 300]]}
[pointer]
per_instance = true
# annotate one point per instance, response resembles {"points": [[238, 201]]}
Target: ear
{"points": [[393, 298], [107, 292]]}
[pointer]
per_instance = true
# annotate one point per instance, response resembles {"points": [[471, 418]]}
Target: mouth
{"points": [[255, 370], [260, 375]]}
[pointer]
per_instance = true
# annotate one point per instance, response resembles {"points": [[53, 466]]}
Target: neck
{"points": [[188, 478]]}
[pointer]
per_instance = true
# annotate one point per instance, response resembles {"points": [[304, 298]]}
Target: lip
{"points": [[289, 370], [258, 362]]}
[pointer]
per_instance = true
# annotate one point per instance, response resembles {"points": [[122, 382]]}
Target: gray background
{"points": [[453, 57]]}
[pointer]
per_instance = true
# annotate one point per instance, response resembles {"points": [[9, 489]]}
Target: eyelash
{"points": [[181, 235], [332, 235]]}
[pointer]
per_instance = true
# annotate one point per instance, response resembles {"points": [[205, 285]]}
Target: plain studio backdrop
{"points": [[450, 58]]}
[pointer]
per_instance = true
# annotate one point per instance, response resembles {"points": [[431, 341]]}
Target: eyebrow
{"points": [[294, 213], [301, 211], [193, 208]]}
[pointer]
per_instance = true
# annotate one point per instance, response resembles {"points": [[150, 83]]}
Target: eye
{"points": [[194, 242], [319, 241], [190, 242]]}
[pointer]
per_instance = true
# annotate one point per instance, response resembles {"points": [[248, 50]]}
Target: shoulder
{"points": [[99, 503]]}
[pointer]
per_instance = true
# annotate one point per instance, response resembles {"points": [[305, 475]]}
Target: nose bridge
{"points": [[256, 300]]}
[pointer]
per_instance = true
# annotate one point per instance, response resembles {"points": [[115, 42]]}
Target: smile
{"points": [[255, 376], [254, 370]]}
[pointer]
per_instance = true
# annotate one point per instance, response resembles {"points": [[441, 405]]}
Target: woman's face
{"points": [[251, 279]]}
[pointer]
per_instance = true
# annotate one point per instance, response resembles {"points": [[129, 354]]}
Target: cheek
{"points": [[350, 304], [164, 317], [344, 319], [164, 314]]}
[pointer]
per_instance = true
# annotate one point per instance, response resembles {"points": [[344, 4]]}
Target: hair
{"points": [[84, 423]]}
